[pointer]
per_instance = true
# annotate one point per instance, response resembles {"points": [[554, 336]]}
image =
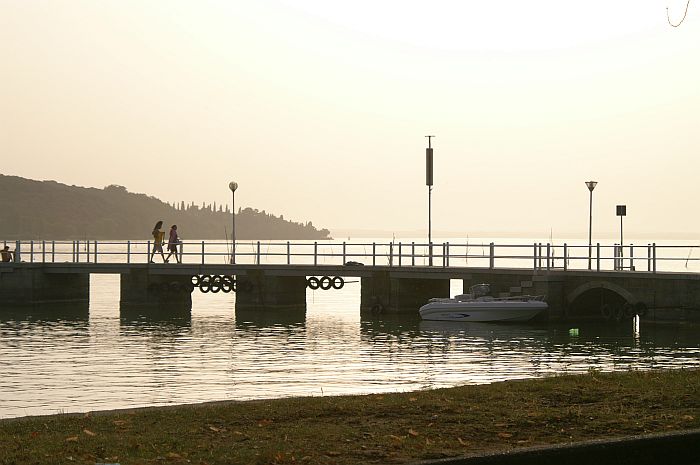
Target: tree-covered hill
{"points": [[49, 210]]}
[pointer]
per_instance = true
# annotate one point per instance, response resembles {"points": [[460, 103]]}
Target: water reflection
{"points": [[46, 312], [262, 318], [216, 353]]}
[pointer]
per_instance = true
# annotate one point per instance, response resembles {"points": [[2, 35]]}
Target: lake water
{"points": [[104, 362]]}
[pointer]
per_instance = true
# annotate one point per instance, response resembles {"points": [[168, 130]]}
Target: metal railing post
{"points": [[31, 251], [631, 257], [653, 250], [258, 253], [566, 255], [391, 254], [549, 255], [18, 251], [72, 259], [53, 251], [95, 250], [315, 253], [148, 251], [539, 255], [343, 253], [492, 258], [534, 256], [399, 253], [289, 254], [87, 251], [597, 256], [43, 251], [648, 257], [128, 251], [374, 254], [413, 254], [202, 252]]}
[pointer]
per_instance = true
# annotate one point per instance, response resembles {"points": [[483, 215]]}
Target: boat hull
{"points": [[504, 311]]}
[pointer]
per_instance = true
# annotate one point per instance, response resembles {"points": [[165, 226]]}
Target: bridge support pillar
{"points": [[554, 289], [382, 293], [31, 288], [160, 296], [260, 292]]}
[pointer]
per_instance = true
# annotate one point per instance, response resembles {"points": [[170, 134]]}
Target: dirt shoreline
{"points": [[379, 428]]}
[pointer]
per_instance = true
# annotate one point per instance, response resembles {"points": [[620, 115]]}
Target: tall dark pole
{"points": [[591, 185], [233, 186], [621, 211], [429, 183]]}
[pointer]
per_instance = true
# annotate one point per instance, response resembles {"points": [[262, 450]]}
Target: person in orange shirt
{"points": [[158, 239]]}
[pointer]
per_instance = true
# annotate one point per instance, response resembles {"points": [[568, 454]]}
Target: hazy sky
{"points": [[318, 108]]}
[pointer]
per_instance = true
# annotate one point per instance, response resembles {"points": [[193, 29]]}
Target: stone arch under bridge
{"points": [[599, 300]]}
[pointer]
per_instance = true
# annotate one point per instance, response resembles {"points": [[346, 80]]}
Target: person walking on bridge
{"points": [[173, 242], [158, 239]]}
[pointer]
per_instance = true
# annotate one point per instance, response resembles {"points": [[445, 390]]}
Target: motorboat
{"points": [[479, 306]]}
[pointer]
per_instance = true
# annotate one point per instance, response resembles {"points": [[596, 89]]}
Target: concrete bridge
{"points": [[157, 289]]}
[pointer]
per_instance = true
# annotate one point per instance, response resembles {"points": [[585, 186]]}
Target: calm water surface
{"points": [[104, 362]]}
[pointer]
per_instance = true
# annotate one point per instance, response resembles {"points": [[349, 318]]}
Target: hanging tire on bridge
{"points": [[618, 313], [204, 284], [628, 310], [196, 280], [338, 282], [215, 284], [640, 308], [244, 286], [313, 283], [377, 308], [226, 284], [188, 287], [606, 312], [325, 283]]}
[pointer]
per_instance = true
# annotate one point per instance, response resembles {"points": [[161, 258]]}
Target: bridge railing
{"points": [[537, 256]]}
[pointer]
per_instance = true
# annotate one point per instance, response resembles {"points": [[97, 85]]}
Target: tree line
{"points": [[50, 210]]}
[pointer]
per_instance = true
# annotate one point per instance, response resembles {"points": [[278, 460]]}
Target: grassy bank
{"points": [[388, 428]]}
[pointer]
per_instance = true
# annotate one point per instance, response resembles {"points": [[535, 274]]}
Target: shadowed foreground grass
{"points": [[387, 428]]}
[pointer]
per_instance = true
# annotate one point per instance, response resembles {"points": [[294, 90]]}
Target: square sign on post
{"points": [[622, 210]]}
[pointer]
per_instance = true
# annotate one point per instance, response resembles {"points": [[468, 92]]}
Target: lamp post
{"points": [[591, 185], [621, 211], [429, 183], [233, 186]]}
